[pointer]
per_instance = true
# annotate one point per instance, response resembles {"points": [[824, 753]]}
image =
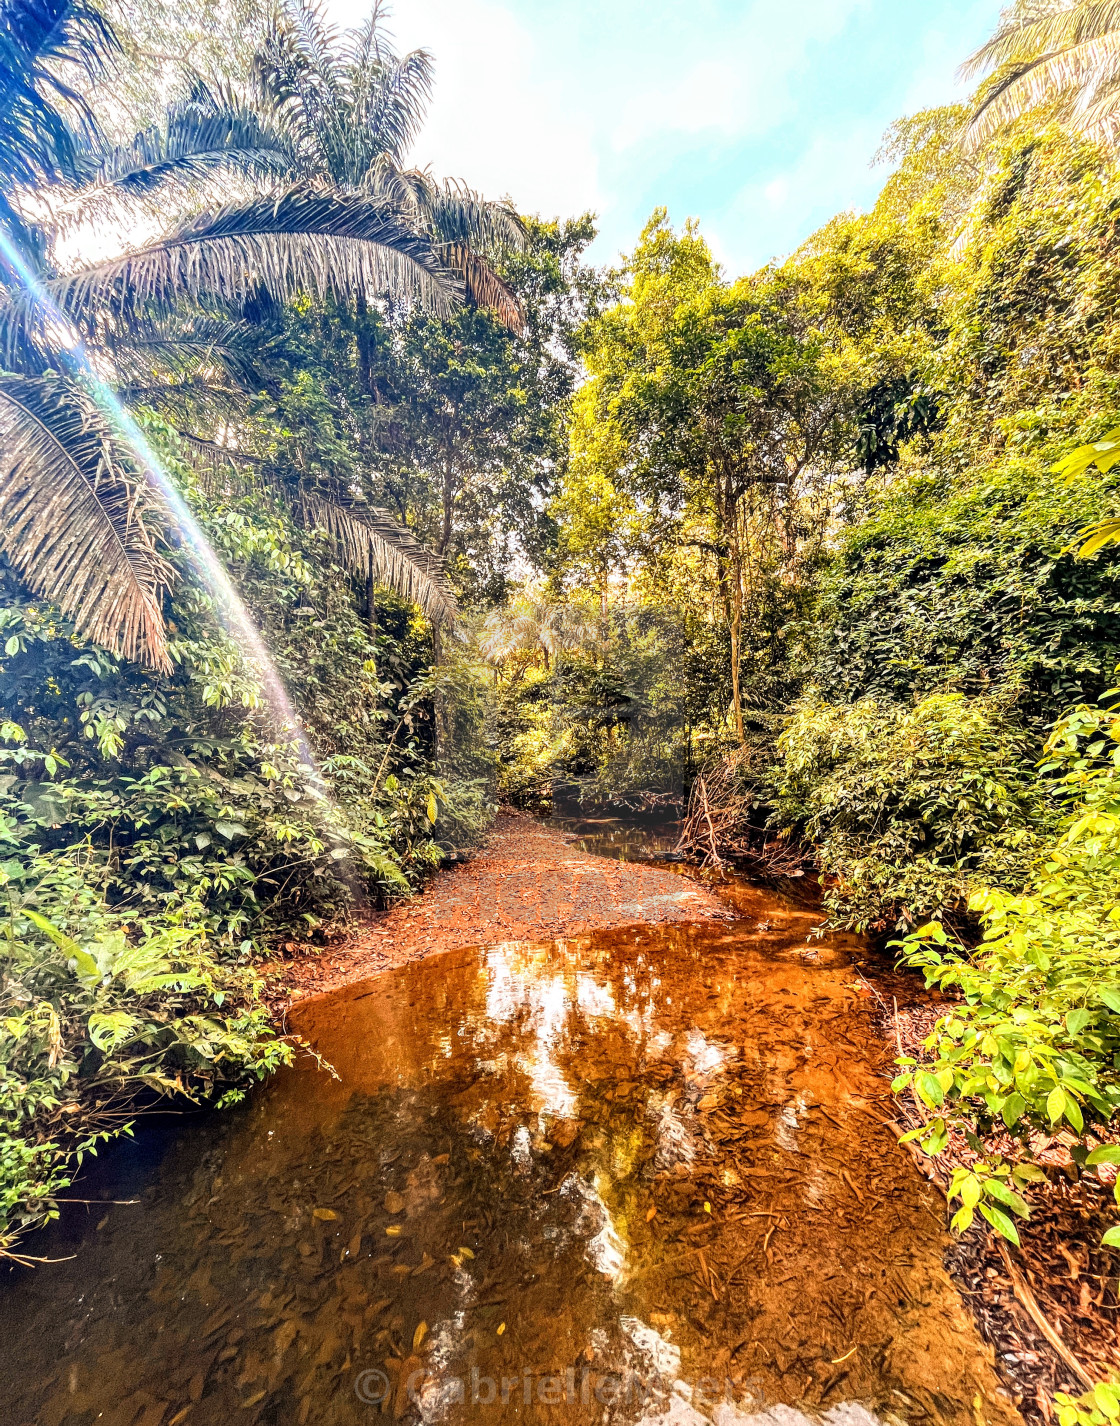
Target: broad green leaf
{"points": [[999, 1220], [962, 1220], [61, 940], [1056, 1103], [229, 830], [1106, 1154], [1112, 1238], [1110, 996], [1105, 1397], [433, 811], [108, 1030], [1076, 1021], [996, 1188], [929, 1087], [1012, 1110]]}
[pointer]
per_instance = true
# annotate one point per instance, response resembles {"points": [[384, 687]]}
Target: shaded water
{"points": [[636, 1176]]}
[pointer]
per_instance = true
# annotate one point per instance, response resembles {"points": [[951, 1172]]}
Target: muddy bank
{"points": [[530, 882]]}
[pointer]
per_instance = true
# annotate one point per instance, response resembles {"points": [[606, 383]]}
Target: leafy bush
{"points": [[1035, 1043], [909, 808], [159, 832]]}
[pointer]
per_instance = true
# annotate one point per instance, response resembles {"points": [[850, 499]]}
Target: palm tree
{"points": [[1050, 52], [348, 107], [532, 627], [79, 519]]}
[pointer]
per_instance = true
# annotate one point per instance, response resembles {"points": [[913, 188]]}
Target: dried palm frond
{"points": [[71, 518], [484, 287], [378, 547], [1063, 55]]}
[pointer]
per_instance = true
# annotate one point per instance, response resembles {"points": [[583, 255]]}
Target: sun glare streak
{"points": [[232, 609]]}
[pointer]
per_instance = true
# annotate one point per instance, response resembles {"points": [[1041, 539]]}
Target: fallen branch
{"points": [[1038, 1317]]}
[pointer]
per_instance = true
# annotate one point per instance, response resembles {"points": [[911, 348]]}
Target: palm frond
{"points": [[1063, 55], [376, 546], [194, 141], [459, 215], [390, 96], [1028, 35], [199, 346], [1076, 75], [303, 240], [71, 518], [44, 120], [484, 287]]}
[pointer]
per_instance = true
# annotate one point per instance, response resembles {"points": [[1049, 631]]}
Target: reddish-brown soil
{"points": [[529, 882]]}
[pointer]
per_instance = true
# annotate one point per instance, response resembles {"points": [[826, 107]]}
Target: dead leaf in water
{"points": [[394, 1230], [419, 1335], [652, 1214], [394, 1202], [325, 1215]]}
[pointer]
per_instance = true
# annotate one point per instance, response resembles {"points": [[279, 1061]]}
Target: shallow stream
{"points": [[638, 1176]]}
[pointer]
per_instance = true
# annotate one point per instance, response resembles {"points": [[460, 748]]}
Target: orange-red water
{"points": [[639, 1176]]}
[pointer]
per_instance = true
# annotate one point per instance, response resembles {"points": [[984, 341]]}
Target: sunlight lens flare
{"points": [[213, 573]]}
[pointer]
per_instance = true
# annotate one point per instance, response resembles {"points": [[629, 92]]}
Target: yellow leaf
{"points": [[325, 1215], [419, 1335]]}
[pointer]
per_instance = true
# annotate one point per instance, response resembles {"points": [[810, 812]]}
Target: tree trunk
{"points": [[371, 619]]}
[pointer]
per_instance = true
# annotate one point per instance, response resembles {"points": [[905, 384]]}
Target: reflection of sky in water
{"points": [[604, 1248], [675, 1141], [705, 1055]]}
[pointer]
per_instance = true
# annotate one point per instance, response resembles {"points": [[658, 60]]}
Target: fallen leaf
{"points": [[652, 1214], [419, 1335], [325, 1215], [394, 1202]]}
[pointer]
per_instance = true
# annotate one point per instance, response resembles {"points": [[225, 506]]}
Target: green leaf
{"points": [[1012, 1110], [962, 1220], [1106, 1154], [996, 1188], [1106, 1399], [229, 830], [12, 646], [1056, 1103], [108, 1030], [1076, 1021], [1000, 1222], [433, 811], [1112, 1238], [61, 940], [1110, 996], [929, 1087]]}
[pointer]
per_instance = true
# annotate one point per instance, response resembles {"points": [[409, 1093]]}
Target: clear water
{"points": [[637, 1176]]}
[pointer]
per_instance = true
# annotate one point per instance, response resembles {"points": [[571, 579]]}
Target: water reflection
{"points": [[602, 1172]]}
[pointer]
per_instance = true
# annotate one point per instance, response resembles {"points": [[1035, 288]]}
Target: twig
{"points": [[1038, 1317]]}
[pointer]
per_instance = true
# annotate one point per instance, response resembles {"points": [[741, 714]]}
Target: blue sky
{"points": [[759, 118]]}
